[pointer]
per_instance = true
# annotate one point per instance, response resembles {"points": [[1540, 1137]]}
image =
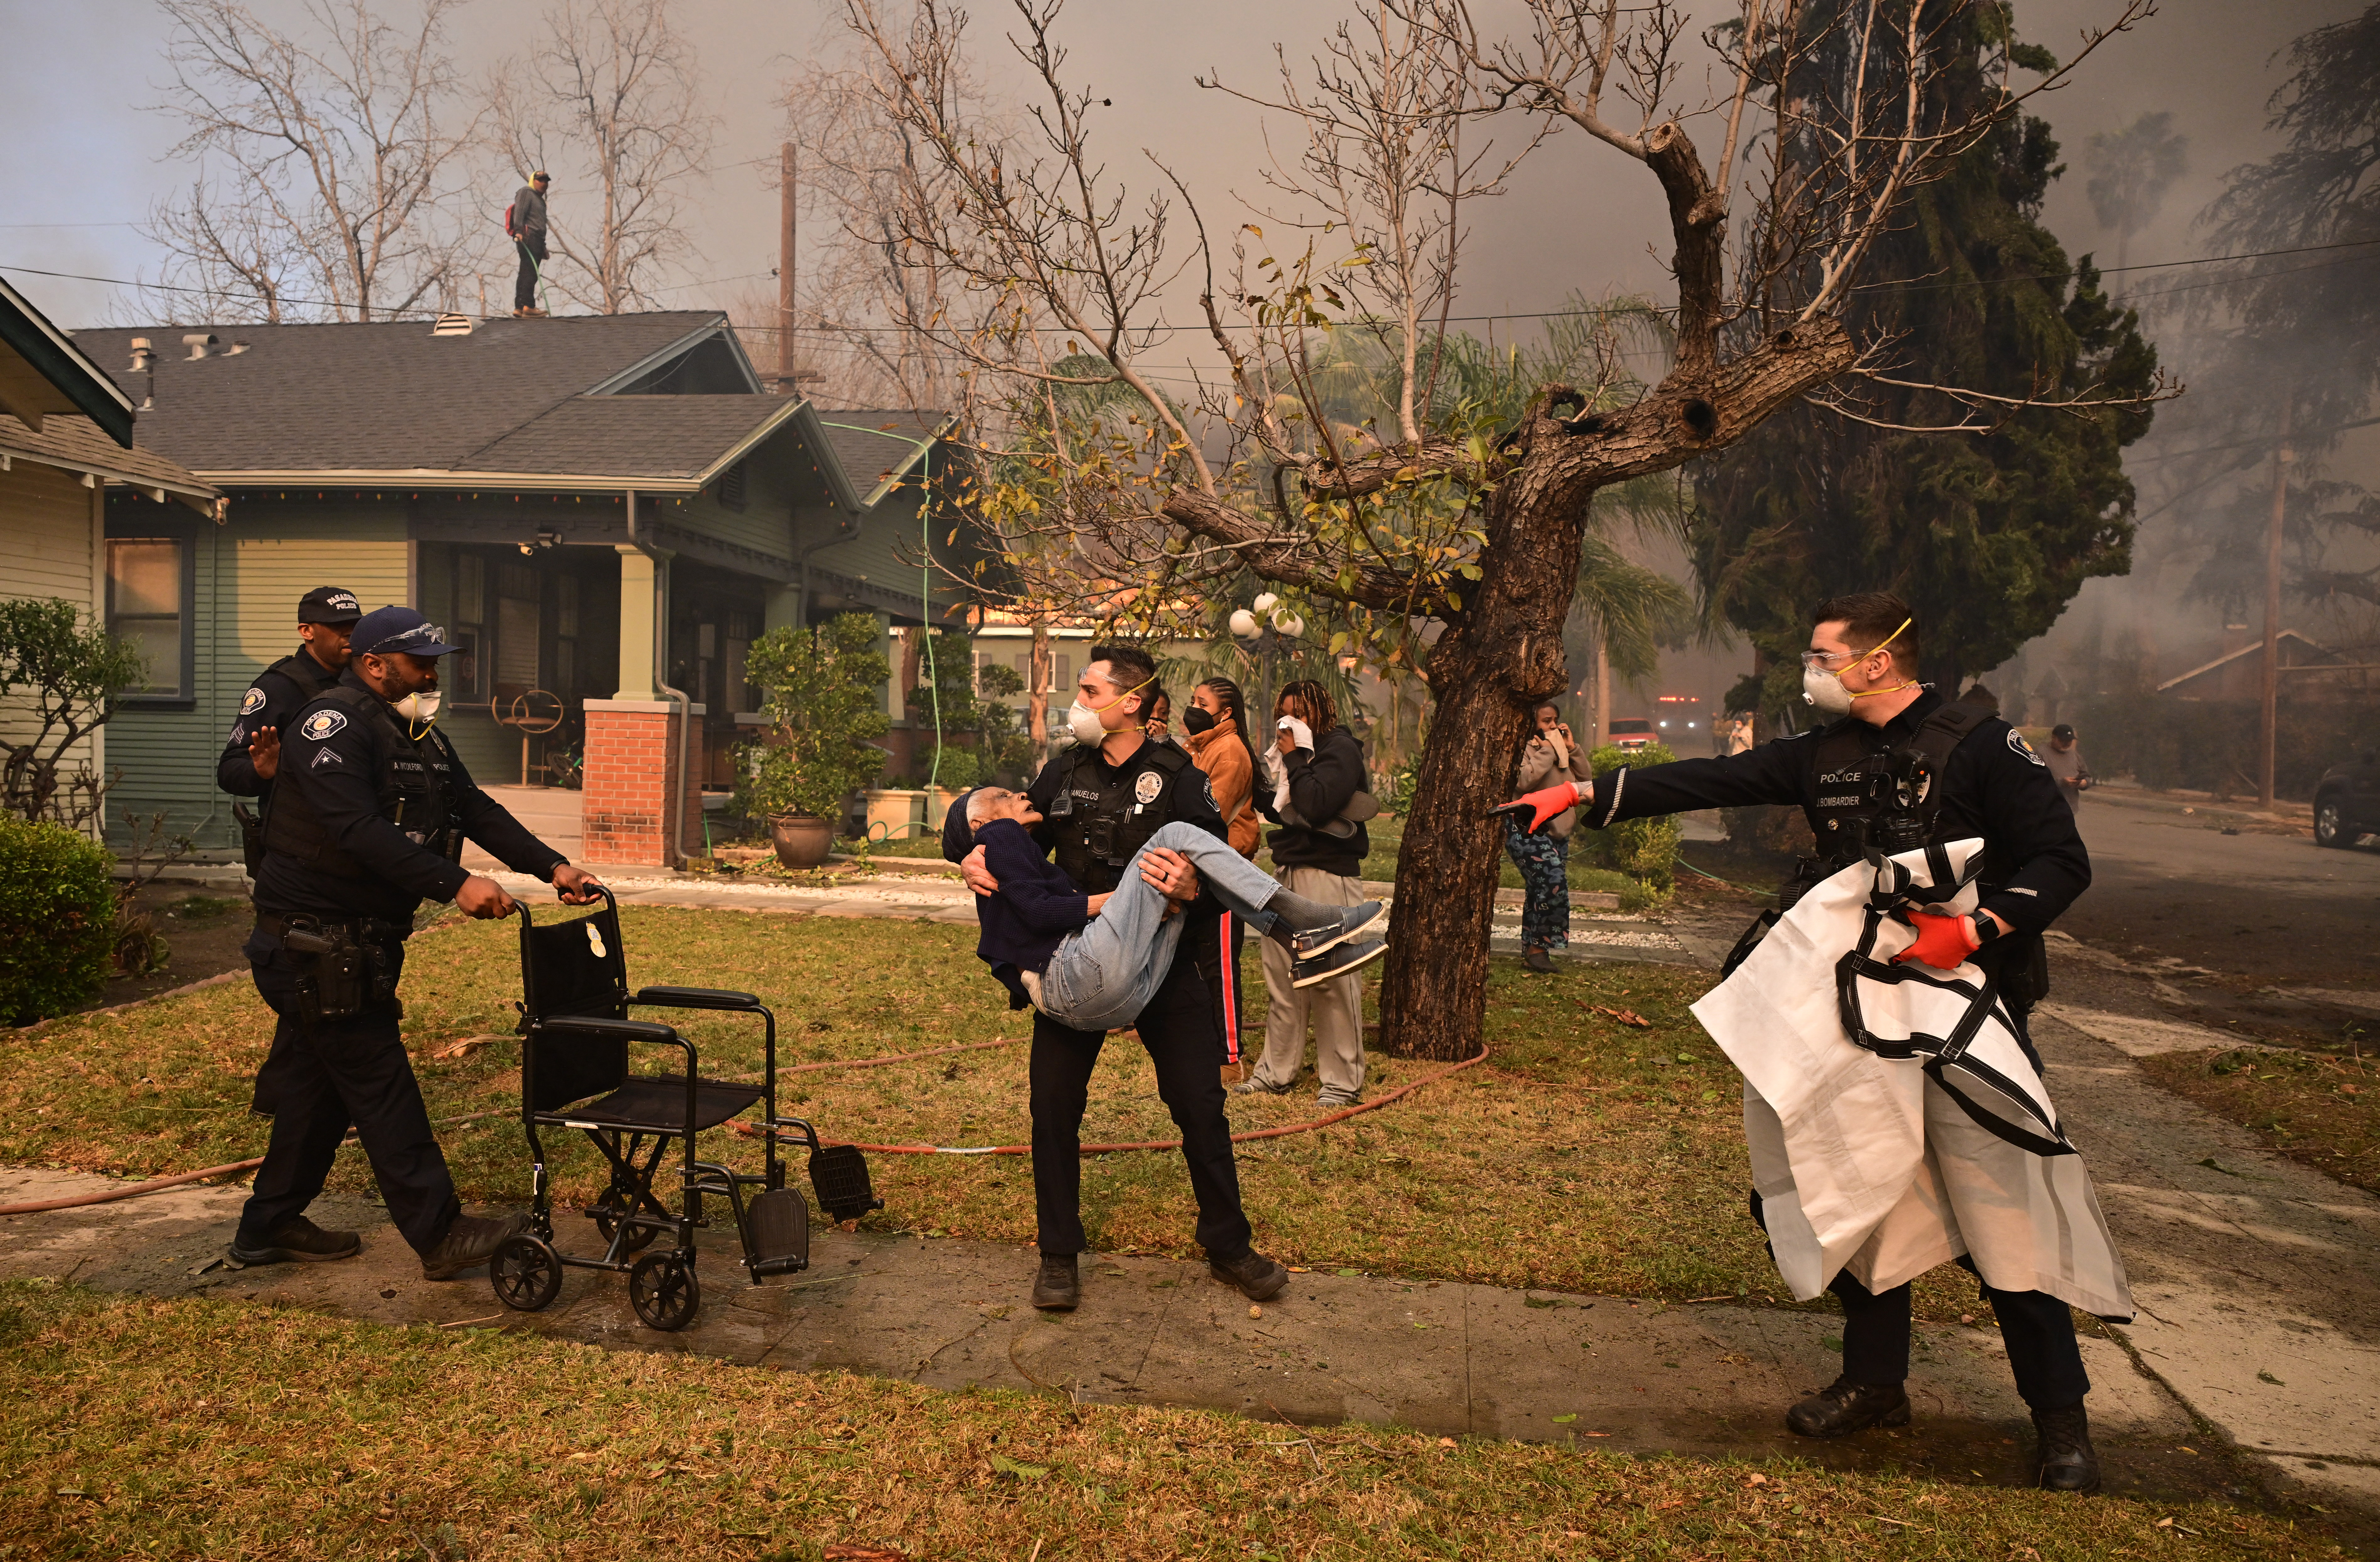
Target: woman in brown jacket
{"points": [[1214, 730]]}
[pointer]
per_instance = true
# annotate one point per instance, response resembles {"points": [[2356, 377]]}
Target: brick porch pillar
{"points": [[637, 811]]}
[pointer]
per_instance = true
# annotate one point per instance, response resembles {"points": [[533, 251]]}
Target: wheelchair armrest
{"points": [[693, 997], [610, 1029]]}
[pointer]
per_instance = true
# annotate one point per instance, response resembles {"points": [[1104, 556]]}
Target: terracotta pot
{"points": [[803, 840]]}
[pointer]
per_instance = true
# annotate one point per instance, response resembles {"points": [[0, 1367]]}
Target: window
{"points": [[467, 675], [148, 604]]}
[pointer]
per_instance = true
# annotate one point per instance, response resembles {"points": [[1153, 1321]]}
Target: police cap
{"points": [[384, 631], [329, 604]]}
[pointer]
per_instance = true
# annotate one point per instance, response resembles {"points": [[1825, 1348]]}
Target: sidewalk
{"points": [[2259, 1283]]}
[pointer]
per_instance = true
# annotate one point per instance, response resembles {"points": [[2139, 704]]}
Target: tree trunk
{"points": [[1037, 701], [1486, 674]]}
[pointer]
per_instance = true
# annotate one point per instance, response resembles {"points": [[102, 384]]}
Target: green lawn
{"points": [[197, 1428], [1588, 1155]]}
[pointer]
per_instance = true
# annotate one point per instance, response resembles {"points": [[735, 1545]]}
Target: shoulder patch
{"points": [[238, 732], [1207, 784], [1148, 787], [2017, 746], [322, 724], [253, 703]]}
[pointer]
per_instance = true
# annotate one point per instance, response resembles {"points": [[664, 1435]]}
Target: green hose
{"points": [[925, 584]]}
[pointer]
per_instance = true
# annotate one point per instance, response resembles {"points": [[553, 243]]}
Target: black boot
{"points": [[469, 1242], [1258, 1278], [297, 1241], [1057, 1287], [2068, 1460], [1844, 1406]]}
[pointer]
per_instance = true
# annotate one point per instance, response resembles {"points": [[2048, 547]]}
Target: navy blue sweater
{"points": [[1036, 909]]}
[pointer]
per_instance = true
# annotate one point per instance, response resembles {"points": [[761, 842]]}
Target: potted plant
{"points": [[822, 700]]}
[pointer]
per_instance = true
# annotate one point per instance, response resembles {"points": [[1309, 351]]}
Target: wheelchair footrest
{"points": [[779, 1224], [839, 1176]]}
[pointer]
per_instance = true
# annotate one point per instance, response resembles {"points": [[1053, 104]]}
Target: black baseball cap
{"points": [[384, 631], [2061, 730], [329, 604]]}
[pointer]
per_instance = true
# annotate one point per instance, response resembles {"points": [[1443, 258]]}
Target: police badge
{"points": [[253, 703], [1144, 790], [324, 724]]}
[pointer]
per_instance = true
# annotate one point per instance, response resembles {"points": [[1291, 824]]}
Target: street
{"points": [[2258, 905]]}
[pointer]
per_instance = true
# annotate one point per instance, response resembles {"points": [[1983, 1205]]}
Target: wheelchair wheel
{"points": [[609, 1219], [525, 1275], [663, 1291]]}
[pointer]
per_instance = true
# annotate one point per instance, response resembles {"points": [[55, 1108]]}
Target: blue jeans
{"points": [[1106, 971]]}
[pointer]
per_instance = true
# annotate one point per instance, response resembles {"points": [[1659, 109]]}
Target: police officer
{"points": [[251, 756], [1861, 669], [1101, 801], [370, 809]]}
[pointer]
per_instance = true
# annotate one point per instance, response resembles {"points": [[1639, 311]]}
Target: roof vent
{"points": [[144, 354], [452, 325], [235, 349], [198, 342]]}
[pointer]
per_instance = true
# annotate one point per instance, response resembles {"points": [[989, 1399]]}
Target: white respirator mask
{"points": [[421, 706], [1084, 722]]}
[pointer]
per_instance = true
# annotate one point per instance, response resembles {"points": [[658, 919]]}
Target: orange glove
{"points": [[1538, 807], [1943, 943]]}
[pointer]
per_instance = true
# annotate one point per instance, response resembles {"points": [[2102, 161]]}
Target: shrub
{"points": [[1645, 850], [822, 694], [57, 920], [951, 767]]}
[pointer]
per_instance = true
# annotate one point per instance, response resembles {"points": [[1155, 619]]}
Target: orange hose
{"points": [[131, 1191]]}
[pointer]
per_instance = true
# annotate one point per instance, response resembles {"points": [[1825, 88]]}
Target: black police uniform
{"points": [[1992, 786], [366, 823], [279, 693], [1094, 816]]}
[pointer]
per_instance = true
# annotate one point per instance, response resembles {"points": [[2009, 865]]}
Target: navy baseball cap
{"points": [[387, 630], [329, 604], [958, 836]]}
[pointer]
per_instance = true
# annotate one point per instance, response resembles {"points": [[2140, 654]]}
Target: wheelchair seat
{"points": [[644, 1105]]}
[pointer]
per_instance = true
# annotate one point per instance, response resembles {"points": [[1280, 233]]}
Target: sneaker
{"points": [[469, 1242], [1538, 961], [1844, 1406], [1338, 1100], [1057, 1287], [1313, 941], [2068, 1461], [297, 1241], [1255, 1085], [1341, 962], [1258, 1278]]}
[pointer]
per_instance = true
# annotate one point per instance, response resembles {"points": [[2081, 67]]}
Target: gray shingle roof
{"points": [[385, 397], [643, 436], [877, 444]]}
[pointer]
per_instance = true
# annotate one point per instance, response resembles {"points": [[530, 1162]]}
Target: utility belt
{"points": [[252, 837], [343, 963]]}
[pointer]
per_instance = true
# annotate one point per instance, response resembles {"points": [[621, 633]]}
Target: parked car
{"points": [[1633, 732], [2347, 802]]}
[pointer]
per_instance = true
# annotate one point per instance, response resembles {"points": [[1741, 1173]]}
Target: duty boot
{"points": [[1538, 961], [469, 1242], [1057, 1287], [295, 1240], [1844, 1406], [2068, 1462], [1258, 1278]]}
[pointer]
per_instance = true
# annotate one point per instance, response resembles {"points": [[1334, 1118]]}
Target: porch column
{"points": [[632, 739]]}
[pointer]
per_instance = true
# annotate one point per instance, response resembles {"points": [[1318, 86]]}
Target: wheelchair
{"points": [[575, 1042]]}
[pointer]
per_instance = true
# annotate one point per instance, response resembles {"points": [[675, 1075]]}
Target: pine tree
{"points": [[1988, 534]]}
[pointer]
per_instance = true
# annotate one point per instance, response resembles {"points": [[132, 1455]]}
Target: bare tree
{"points": [[616, 89], [327, 165], [1463, 531]]}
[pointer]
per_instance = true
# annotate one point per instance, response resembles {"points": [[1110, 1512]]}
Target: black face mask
{"points": [[1195, 720]]}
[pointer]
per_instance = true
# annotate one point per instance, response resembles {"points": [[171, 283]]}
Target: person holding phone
{"points": [[1543, 856]]}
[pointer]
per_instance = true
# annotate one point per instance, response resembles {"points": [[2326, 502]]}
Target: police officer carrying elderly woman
{"points": [[368, 809]]}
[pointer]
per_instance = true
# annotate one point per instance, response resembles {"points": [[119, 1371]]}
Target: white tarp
{"points": [[1887, 1166]]}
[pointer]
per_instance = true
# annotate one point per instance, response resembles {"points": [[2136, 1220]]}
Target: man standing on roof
{"points": [[526, 223], [251, 755]]}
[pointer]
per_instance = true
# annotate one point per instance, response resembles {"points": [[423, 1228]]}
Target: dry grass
{"points": [[2323, 1111], [1588, 1155], [192, 1428]]}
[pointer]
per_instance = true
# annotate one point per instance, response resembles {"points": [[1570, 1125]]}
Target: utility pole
{"points": [[785, 188], [2268, 725]]}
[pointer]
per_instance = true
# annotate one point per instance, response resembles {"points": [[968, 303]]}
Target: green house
{"points": [[603, 511]]}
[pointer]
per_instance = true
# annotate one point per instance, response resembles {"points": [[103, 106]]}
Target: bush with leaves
{"points": [[963, 701], [57, 920], [1645, 850], [820, 694], [69, 672]]}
